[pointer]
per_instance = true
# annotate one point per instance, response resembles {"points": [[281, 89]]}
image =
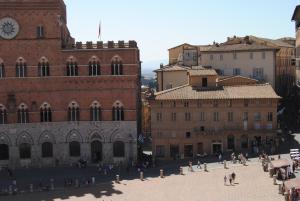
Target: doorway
{"points": [[188, 151], [174, 151], [96, 151], [216, 148]]}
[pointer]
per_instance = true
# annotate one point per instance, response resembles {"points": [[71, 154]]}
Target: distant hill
{"points": [[149, 66]]}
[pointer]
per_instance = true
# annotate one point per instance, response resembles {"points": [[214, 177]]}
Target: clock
{"points": [[9, 28]]}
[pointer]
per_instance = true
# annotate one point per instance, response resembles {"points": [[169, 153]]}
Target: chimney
{"points": [[161, 65]]}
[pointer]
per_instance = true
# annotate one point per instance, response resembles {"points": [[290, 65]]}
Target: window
{"points": [[216, 116], [245, 116], [161, 104], [25, 151], [94, 67], [119, 149], [202, 128], [270, 116], [211, 57], [40, 32], [158, 117], [174, 104], [186, 104], [204, 82], [221, 57], [3, 115], [188, 134], [2, 69], [173, 117], [47, 150], [202, 116], [230, 116], [258, 73], [246, 103], [4, 152], [73, 112], [43, 68], [45, 113], [263, 55], [160, 151], [23, 116], [116, 67], [72, 68], [118, 112], [257, 116], [229, 103], [21, 68], [236, 71], [95, 112], [215, 103], [230, 142], [194, 56], [234, 55], [251, 55], [74, 148], [188, 116], [244, 141]]}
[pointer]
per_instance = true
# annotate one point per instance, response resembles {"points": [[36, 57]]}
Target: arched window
{"points": [[119, 149], [3, 115], [118, 112], [230, 142], [4, 152], [47, 150], [244, 142], [21, 68], [116, 66], [74, 148], [2, 69], [94, 67], [25, 151], [43, 67], [73, 112], [72, 68], [95, 111], [45, 113], [23, 115]]}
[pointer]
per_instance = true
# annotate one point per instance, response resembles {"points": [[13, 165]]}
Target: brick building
{"points": [[219, 114], [60, 100]]}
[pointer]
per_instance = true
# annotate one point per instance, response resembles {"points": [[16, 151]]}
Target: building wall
{"points": [[169, 132], [190, 57], [167, 78], [60, 134], [244, 62]]}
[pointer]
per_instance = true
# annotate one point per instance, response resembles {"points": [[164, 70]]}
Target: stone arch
{"points": [[73, 104], [46, 136], [43, 59], [71, 59], [95, 104], [23, 106], [1, 61], [45, 105], [24, 137], [117, 59], [74, 135], [4, 139], [20, 60], [96, 135], [118, 104], [94, 58]]}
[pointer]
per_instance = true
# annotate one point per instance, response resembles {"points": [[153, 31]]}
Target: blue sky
{"points": [[160, 24]]}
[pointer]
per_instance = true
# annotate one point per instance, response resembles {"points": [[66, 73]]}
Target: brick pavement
{"points": [[252, 184]]}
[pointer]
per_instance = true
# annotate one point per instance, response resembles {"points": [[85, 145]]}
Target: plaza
{"points": [[251, 184]]}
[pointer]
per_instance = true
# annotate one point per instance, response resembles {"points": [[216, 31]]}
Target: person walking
{"points": [[230, 179], [225, 180], [233, 176], [199, 164]]}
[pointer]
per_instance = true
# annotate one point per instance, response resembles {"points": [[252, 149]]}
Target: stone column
{"points": [[107, 152], [14, 156]]}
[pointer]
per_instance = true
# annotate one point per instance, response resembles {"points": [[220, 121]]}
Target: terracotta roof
{"points": [[223, 78], [181, 45], [277, 42], [204, 47], [173, 68], [203, 71], [187, 92], [238, 47]]}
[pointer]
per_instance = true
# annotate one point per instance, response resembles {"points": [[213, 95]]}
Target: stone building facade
{"points": [[62, 101], [211, 115]]}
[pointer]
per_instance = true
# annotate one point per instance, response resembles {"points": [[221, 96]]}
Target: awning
{"points": [[280, 163], [292, 183]]}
